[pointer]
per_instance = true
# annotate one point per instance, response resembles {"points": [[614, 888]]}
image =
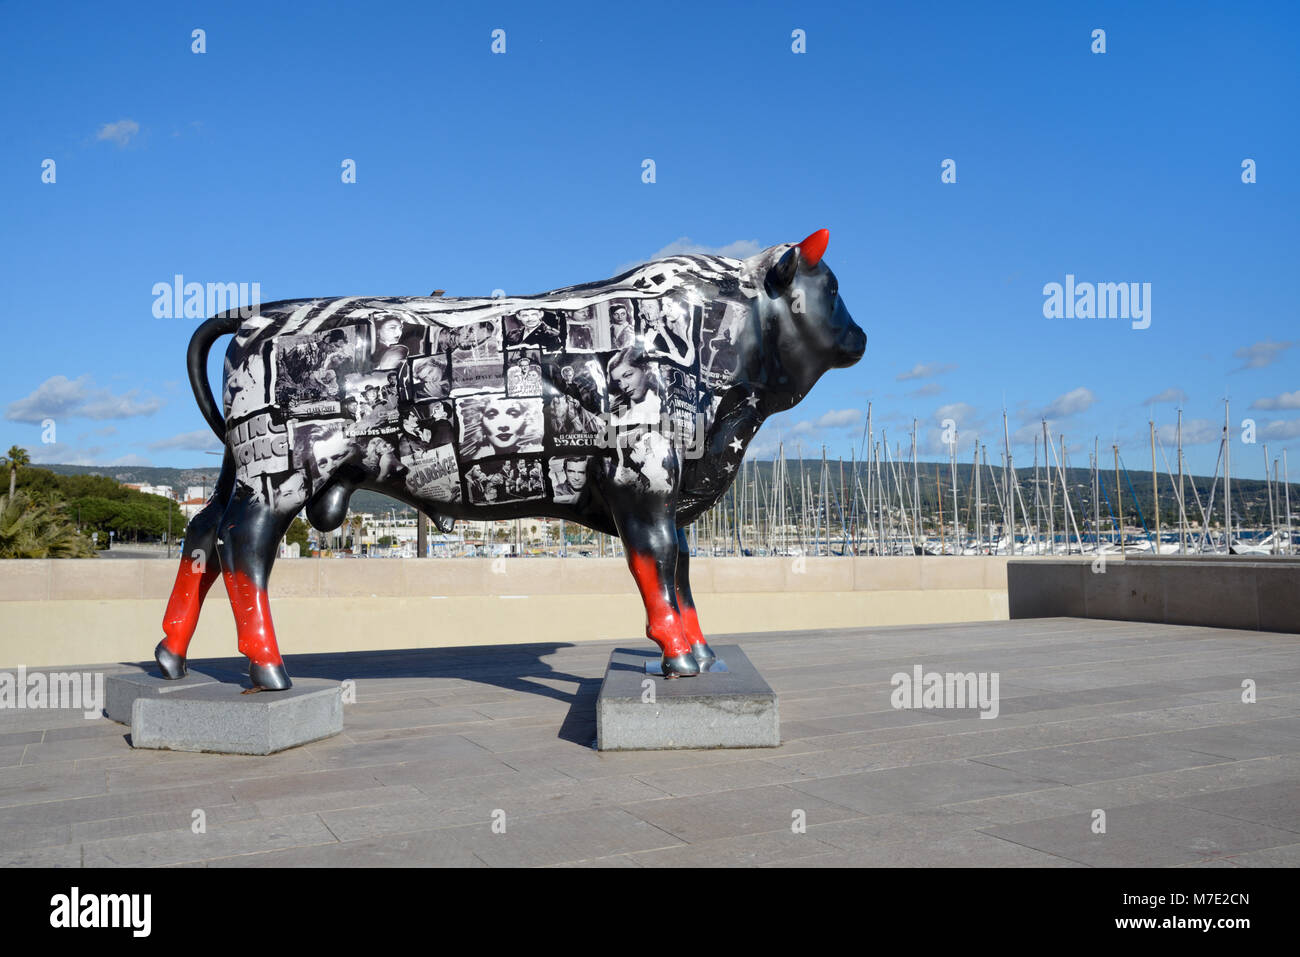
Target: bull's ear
{"points": [[780, 276]]}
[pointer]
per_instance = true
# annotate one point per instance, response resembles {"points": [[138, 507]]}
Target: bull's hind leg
{"points": [[198, 570], [690, 621], [249, 536]]}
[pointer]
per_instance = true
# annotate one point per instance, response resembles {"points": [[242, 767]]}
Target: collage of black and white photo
{"points": [[501, 402]]}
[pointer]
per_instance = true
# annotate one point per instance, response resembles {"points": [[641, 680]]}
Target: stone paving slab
{"points": [[1143, 721]]}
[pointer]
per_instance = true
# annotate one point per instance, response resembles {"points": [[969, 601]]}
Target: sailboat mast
{"points": [[1182, 510], [952, 467], [1051, 496], [1155, 488], [1272, 513], [1096, 492], [916, 489], [1286, 479], [1011, 480], [1227, 478], [1119, 503]]}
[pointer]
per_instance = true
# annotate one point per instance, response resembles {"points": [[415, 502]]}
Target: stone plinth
{"points": [[730, 709], [217, 716], [121, 691]]}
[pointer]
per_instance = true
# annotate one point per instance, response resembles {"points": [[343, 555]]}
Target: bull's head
{"points": [[806, 327]]}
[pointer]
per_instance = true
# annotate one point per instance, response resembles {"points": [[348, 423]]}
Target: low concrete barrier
{"points": [[73, 612], [1221, 592]]}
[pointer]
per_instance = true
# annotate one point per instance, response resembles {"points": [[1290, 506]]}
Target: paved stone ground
{"points": [[1142, 721]]}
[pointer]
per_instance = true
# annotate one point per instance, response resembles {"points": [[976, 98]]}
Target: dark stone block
{"points": [[731, 709]]}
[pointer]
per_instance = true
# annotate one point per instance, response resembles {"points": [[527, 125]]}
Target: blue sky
{"points": [[522, 171]]}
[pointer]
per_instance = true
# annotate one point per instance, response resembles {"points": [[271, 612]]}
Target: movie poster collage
{"points": [[510, 408]]}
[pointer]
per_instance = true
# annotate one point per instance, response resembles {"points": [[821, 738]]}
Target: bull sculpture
{"points": [[625, 406]]}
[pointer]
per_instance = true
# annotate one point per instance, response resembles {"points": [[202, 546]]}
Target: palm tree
{"points": [[31, 529], [16, 459]]}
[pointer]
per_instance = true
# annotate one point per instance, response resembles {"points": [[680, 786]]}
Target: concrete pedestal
{"points": [[729, 709], [121, 691], [201, 713]]}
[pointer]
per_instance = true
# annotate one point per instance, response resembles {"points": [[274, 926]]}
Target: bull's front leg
{"points": [[690, 621], [645, 514]]}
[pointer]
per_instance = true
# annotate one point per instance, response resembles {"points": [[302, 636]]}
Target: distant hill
{"points": [[180, 479], [1250, 501]]}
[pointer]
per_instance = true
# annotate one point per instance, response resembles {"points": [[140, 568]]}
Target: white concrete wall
{"points": [[56, 613]]}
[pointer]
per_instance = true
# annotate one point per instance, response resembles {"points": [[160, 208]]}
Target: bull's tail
{"points": [[197, 360]]}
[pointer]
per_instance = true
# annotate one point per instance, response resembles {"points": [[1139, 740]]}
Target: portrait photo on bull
{"points": [[523, 372], [624, 406], [568, 477], [575, 399], [426, 424], [492, 425], [534, 327]]}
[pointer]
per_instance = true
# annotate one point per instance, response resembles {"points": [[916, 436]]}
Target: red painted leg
{"points": [[690, 621], [252, 620], [250, 532], [193, 580], [664, 623], [198, 570]]}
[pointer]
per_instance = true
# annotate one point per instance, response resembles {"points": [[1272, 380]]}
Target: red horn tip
{"points": [[814, 247]]}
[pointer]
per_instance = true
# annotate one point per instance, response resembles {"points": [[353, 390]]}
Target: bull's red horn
{"points": [[814, 247]]}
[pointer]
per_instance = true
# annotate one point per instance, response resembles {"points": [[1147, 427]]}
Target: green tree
{"points": [[16, 459], [298, 531], [39, 529]]}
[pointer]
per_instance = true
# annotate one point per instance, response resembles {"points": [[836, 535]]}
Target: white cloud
{"points": [[1169, 395], [838, 418], [927, 390], [60, 453], [1027, 434], [60, 397], [1071, 403], [119, 132], [925, 370], [803, 434], [1261, 354], [1281, 429], [1195, 432], [964, 414], [198, 441], [1287, 400]]}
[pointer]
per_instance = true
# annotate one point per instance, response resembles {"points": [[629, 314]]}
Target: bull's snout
{"points": [[850, 347]]}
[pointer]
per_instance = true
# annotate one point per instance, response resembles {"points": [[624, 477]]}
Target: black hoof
{"points": [[172, 665], [703, 654], [681, 666], [269, 677]]}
